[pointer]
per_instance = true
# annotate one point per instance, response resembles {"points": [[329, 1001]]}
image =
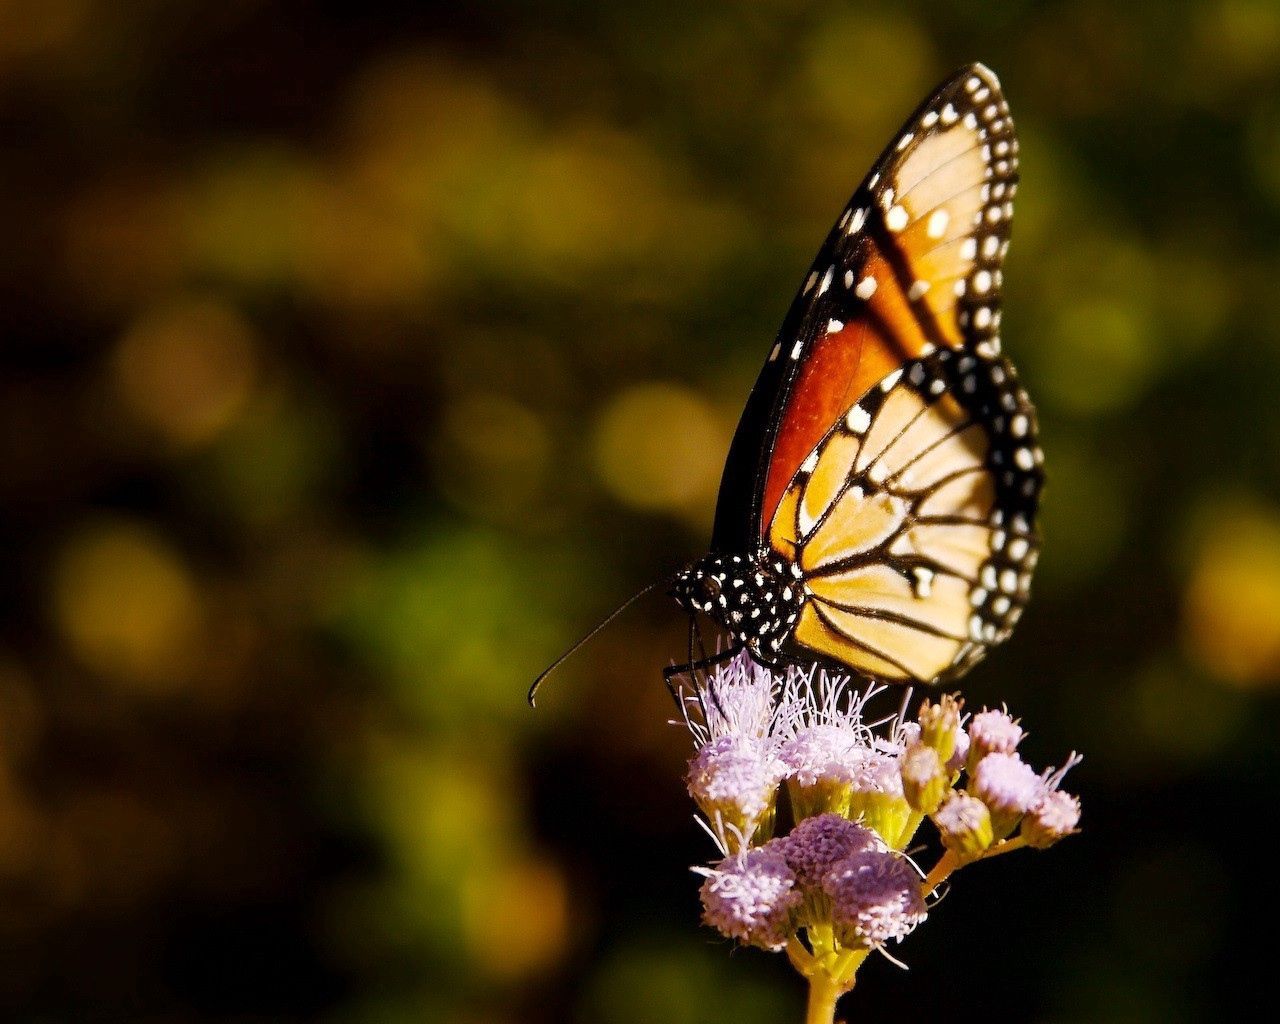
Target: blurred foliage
{"points": [[358, 356]]}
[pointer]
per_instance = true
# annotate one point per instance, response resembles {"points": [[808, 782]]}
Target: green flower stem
{"points": [[948, 863], [823, 994], [909, 830], [801, 959], [829, 969]]}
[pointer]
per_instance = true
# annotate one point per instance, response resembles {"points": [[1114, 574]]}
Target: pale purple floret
{"points": [[739, 699], [874, 772], [736, 776], [995, 732], [817, 844], [920, 766], [875, 896], [1007, 784], [961, 815], [961, 753], [752, 897], [1055, 815], [906, 734], [819, 753]]}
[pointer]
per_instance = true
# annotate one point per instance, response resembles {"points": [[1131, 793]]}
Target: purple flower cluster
{"points": [[829, 876], [827, 871]]}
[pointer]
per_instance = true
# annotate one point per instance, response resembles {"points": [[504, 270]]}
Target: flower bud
{"points": [[964, 823], [925, 779], [939, 724]]}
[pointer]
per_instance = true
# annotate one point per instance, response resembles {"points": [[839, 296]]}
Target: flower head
{"points": [[992, 732], [875, 896], [752, 897], [1055, 816], [876, 796], [1009, 787], [735, 779], [739, 698], [858, 791], [815, 845], [819, 753]]}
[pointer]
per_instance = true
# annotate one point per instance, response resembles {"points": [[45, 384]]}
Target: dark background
{"points": [[357, 357]]}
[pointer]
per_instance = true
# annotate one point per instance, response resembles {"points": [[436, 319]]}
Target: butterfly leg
{"points": [[670, 673]]}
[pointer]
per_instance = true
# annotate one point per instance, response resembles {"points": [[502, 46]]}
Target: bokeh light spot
{"points": [[1231, 621], [660, 447], [516, 918], [127, 606], [185, 368], [1182, 717]]}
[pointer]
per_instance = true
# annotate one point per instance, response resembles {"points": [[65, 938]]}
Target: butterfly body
{"points": [[877, 509], [757, 597]]}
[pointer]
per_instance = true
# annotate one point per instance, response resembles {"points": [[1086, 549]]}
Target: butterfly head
{"points": [[756, 601]]}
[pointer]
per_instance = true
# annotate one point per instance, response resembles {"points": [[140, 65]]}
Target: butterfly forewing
{"points": [[887, 449]]}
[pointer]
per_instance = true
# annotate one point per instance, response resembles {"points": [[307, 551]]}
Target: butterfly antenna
{"points": [[533, 690]]}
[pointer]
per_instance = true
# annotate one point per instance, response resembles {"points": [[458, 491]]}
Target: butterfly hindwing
{"points": [[912, 521]]}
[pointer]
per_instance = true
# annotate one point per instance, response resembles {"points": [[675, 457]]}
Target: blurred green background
{"points": [[357, 356]]}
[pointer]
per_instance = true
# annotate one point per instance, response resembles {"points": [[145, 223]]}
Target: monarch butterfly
{"points": [[877, 508]]}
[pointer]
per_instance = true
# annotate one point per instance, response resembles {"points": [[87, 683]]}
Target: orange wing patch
{"points": [[913, 265]]}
